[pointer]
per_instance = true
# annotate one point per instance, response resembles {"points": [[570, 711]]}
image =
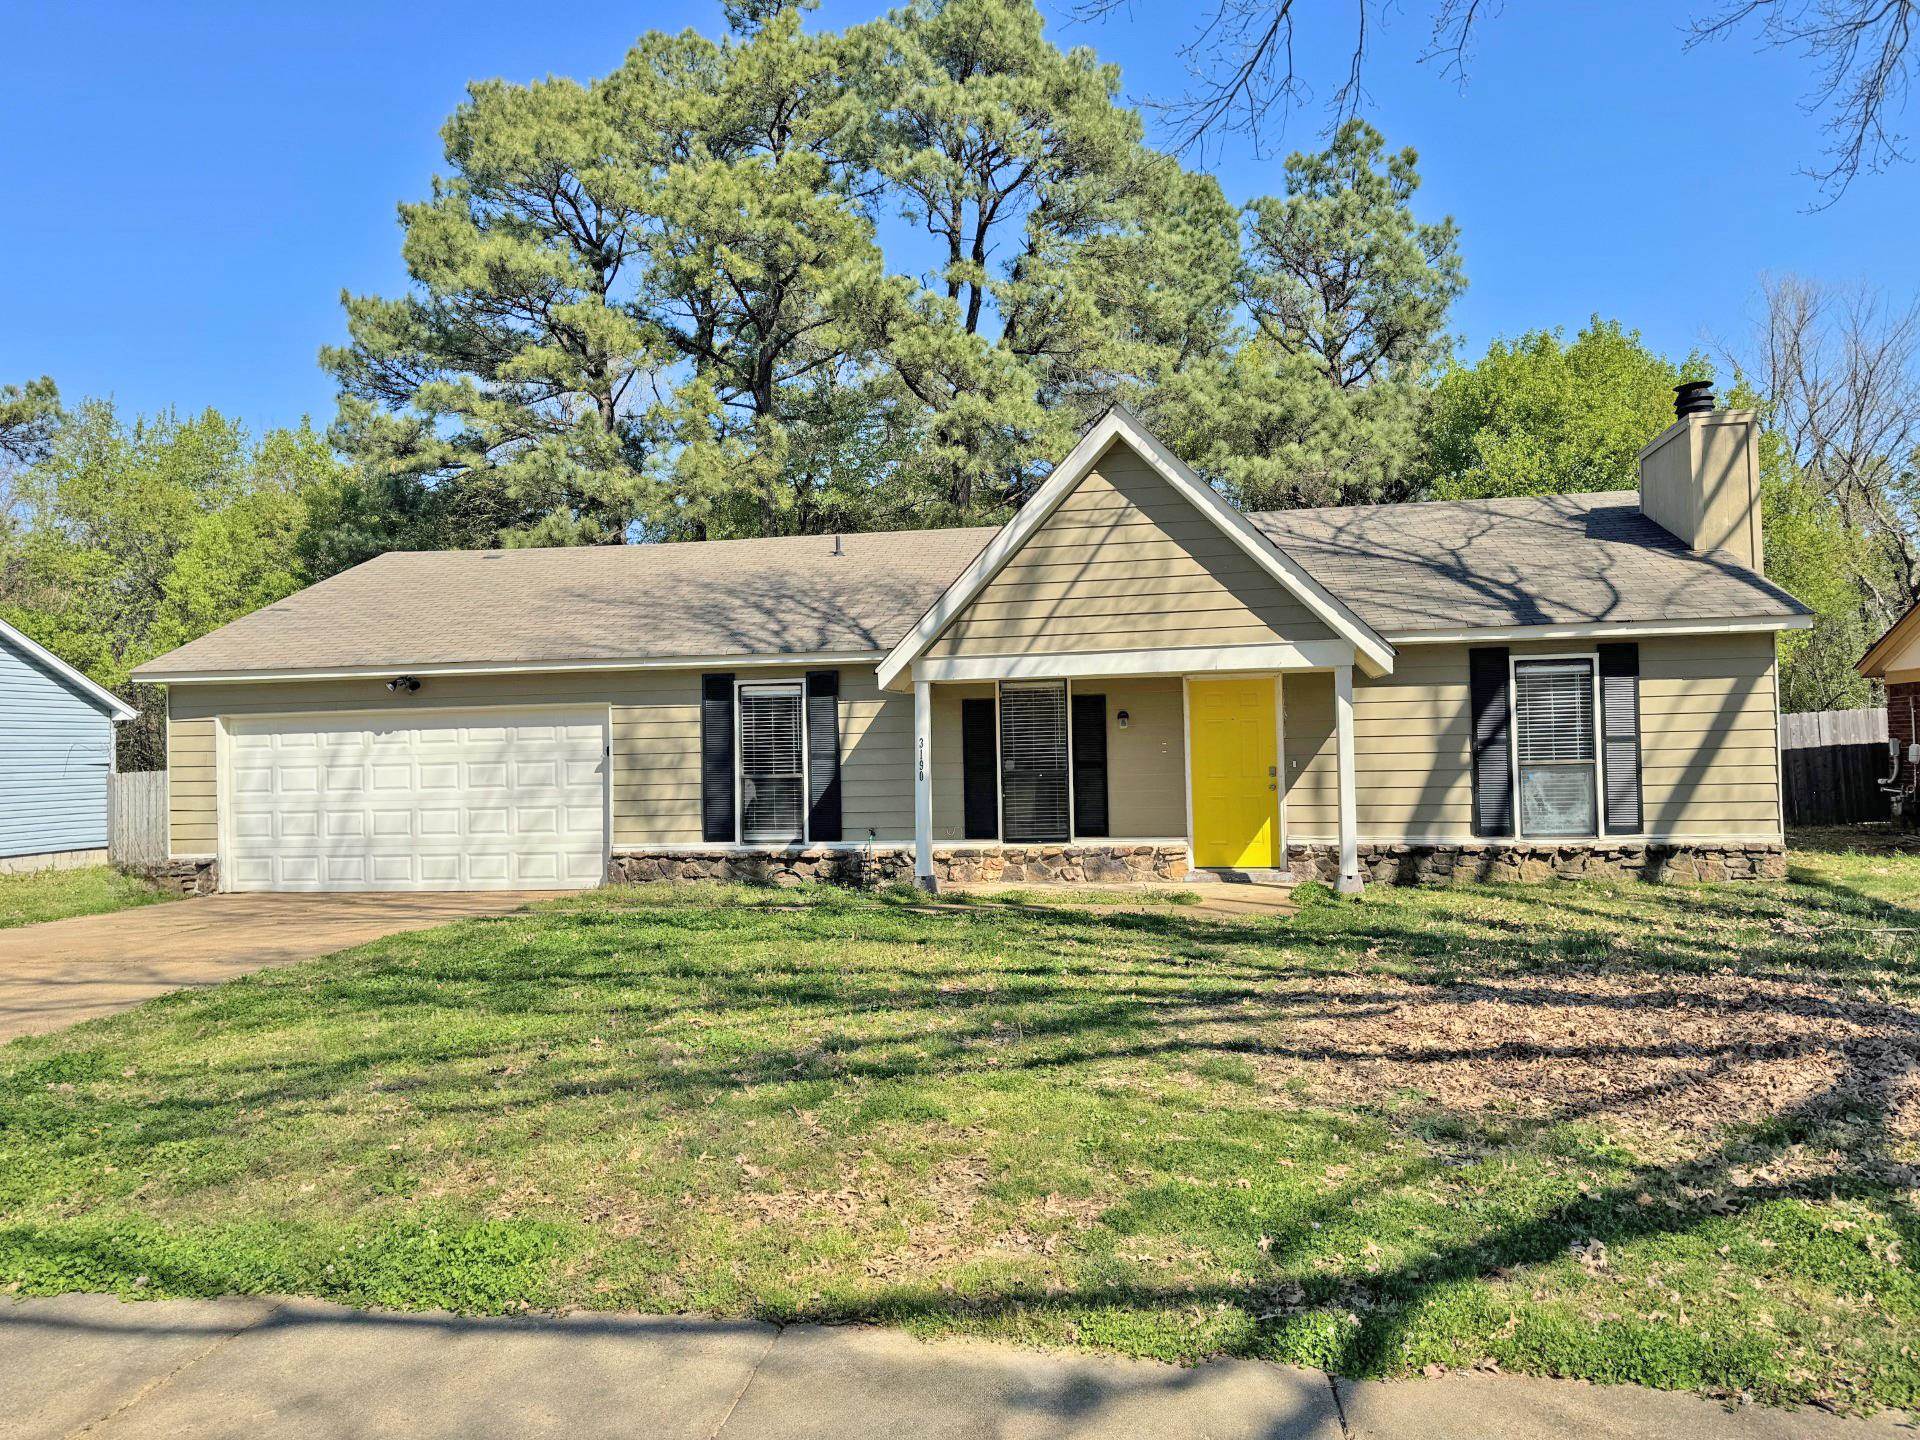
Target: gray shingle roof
{"points": [[1433, 566], [1536, 560], [615, 602]]}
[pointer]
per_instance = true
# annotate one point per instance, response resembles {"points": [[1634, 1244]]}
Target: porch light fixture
{"points": [[403, 684], [1121, 719]]}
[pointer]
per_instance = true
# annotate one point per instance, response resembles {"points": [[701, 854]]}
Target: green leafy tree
{"points": [[1347, 293], [29, 414], [1073, 264], [1546, 416], [1340, 269], [759, 259], [502, 398], [137, 538]]}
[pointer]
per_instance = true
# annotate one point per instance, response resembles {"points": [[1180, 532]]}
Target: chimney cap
{"points": [[1692, 397]]}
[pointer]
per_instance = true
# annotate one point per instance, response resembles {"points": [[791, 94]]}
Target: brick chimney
{"points": [[1700, 477]]}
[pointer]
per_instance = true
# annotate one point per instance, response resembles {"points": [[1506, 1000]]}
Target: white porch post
{"points": [[1350, 881], [923, 784]]}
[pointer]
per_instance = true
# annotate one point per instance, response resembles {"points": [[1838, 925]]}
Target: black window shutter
{"points": [[1492, 742], [978, 760], [716, 759], [1620, 734], [1090, 765], [823, 755]]}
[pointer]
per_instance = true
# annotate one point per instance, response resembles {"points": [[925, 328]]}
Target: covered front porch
{"points": [[1117, 767]]}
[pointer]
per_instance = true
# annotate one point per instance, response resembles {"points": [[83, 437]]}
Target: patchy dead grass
{"points": [[1661, 1059], [1631, 1133]]}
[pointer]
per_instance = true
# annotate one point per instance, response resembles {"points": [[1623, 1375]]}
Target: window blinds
{"points": [[1555, 711], [1554, 744], [1033, 763], [772, 767]]}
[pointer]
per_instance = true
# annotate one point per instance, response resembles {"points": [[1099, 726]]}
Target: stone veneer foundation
{"points": [[1447, 864], [878, 865], [189, 877], [893, 865]]}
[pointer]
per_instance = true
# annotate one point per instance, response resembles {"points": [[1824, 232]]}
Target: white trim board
{"points": [[1602, 630], [1584, 842], [1374, 654], [1199, 660], [530, 667], [40, 655]]}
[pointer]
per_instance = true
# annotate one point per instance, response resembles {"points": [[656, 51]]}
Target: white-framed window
{"points": [[1036, 797], [1556, 753], [772, 763]]}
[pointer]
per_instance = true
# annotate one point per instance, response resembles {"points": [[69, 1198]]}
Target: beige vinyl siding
{"points": [[1709, 736], [876, 759], [656, 740], [1127, 563], [949, 770], [1411, 745], [1146, 762], [1709, 760], [191, 807]]}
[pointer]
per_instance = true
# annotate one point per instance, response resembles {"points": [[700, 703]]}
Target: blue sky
{"points": [[185, 189]]}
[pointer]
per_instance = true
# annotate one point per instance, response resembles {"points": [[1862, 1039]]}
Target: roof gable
{"points": [[1899, 644], [64, 674], [1125, 563], [1215, 517]]}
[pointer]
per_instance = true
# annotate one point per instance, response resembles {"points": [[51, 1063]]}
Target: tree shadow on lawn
{"points": [[1114, 989]]}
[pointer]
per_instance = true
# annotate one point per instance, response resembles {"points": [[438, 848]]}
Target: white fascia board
{"points": [[531, 667], [1375, 655], [1222, 659], [1603, 630], [106, 699]]}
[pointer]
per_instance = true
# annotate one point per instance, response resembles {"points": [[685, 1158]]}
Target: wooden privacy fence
{"points": [[137, 818], [1831, 766]]}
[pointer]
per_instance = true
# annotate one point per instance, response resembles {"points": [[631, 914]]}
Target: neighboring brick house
{"points": [[1894, 660]]}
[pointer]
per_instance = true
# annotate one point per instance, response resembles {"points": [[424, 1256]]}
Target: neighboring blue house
{"points": [[56, 752]]}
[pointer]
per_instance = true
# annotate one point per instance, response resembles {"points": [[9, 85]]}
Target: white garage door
{"points": [[472, 801]]}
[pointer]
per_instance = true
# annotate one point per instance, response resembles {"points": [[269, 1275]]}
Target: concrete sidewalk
{"points": [[90, 1365]]}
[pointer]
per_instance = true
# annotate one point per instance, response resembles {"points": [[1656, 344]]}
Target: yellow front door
{"points": [[1236, 776]]}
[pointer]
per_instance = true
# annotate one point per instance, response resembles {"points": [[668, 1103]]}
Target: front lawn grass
{"points": [[58, 894], [1630, 1133]]}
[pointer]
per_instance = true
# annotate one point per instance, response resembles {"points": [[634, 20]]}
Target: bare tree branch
{"points": [[1841, 371], [1862, 50], [1243, 67]]}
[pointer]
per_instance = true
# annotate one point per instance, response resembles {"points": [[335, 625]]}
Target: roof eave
{"points": [[149, 675], [115, 707], [1604, 629]]}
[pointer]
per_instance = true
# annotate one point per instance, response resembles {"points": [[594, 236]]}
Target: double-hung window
{"points": [[1033, 763], [773, 764], [1555, 754]]}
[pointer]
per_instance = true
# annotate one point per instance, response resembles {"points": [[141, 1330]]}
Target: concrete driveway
{"points": [[65, 971]]}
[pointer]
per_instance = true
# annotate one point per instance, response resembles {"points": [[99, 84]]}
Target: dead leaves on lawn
{"points": [[1660, 1059]]}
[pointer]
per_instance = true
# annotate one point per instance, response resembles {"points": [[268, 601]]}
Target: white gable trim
{"points": [[105, 699], [1374, 654]]}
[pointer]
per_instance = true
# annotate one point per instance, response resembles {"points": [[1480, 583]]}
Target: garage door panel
{"points": [[489, 869], [430, 804]]}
